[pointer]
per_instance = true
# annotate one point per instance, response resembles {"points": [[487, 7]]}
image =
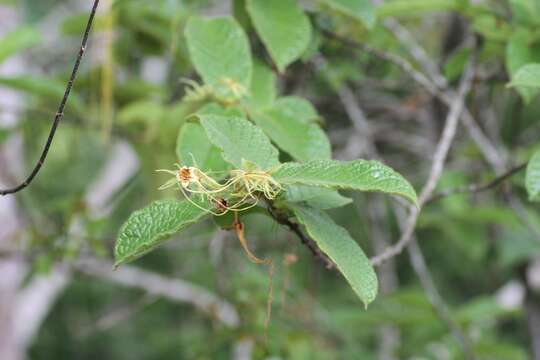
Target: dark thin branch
{"points": [[477, 188], [306, 241], [61, 108]]}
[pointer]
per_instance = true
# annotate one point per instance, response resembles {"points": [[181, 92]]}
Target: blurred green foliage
{"points": [[474, 244]]}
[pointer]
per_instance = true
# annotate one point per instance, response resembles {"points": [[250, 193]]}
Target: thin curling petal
{"points": [[168, 184], [240, 192]]}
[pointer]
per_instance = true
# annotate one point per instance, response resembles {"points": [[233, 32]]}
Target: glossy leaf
{"points": [[149, 227], [359, 175], [283, 27], [336, 242]]}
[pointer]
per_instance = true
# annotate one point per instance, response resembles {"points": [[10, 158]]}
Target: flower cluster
{"points": [[241, 191]]}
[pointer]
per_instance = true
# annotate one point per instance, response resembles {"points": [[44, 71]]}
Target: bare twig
{"points": [[416, 51], [117, 316], [476, 188], [358, 119], [33, 303], [444, 94], [389, 334], [437, 166], [158, 285], [488, 150], [243, 349], [61, 108]]}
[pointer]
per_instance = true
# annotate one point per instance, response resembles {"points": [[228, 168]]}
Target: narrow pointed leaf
{"points": [[362, 175], [341, 248], [149, 227]]}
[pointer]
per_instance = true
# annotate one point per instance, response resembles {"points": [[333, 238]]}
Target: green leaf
{"points": [[193, 145], [303, 141], [240, 140], [283, 28], [78, 155], [75, 25], [491, 27], [149, 227], [359, 175], [142, 111], [527, 81], [17, 41], [518, 53], [219, 50], [362, 10], [455, 65], [47, 88], [4, 134], [336, 242], [296, 107], [532, 177], [516, 246], [216, 109], [316, 197], [415, 7], [263, 86], [525, 12]]}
